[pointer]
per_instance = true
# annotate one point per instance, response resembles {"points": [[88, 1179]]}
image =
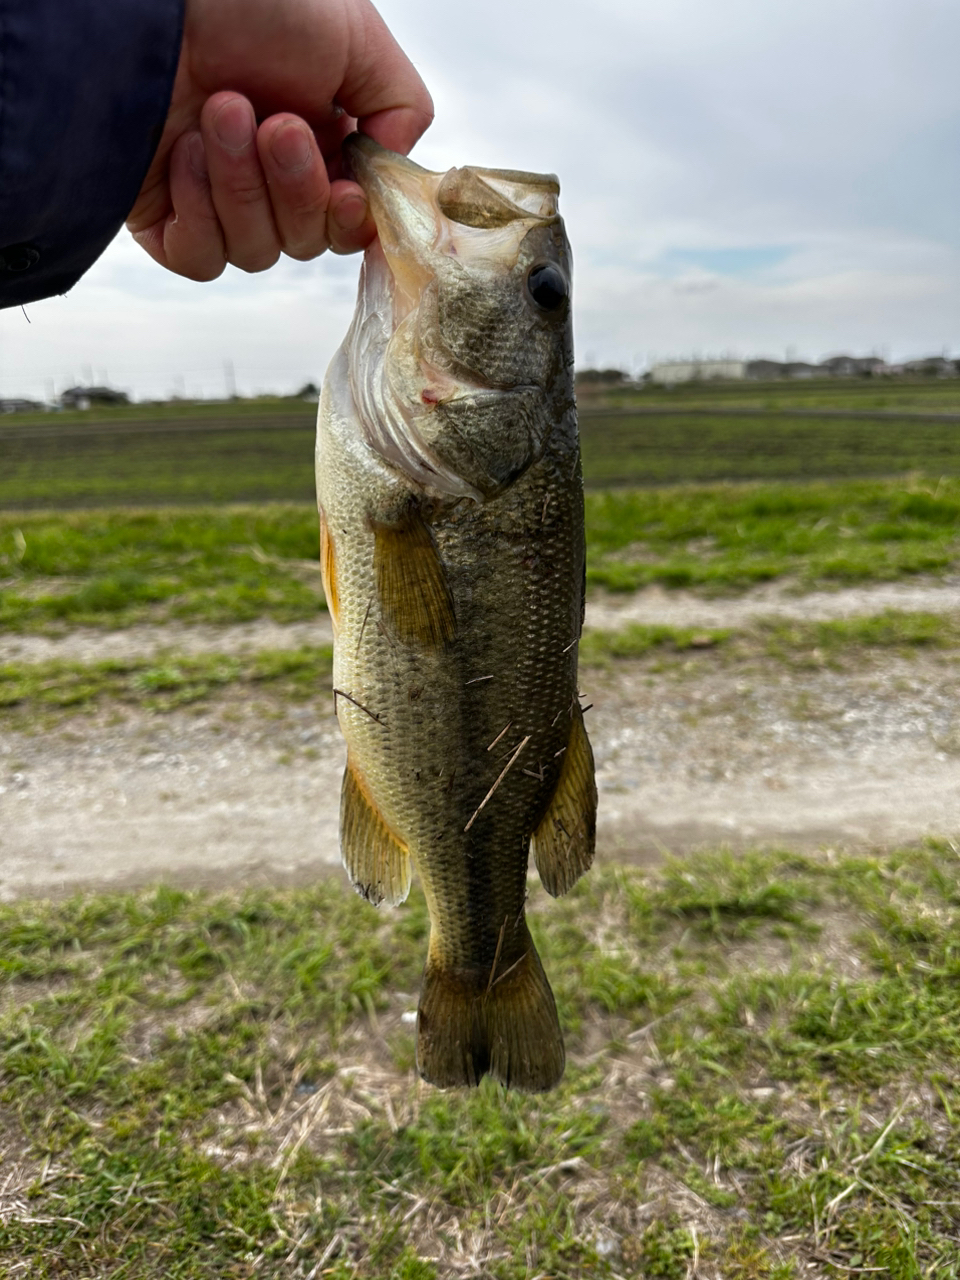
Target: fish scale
{"points": [[456, 618]]}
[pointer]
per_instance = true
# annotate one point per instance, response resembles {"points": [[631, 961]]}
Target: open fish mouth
{"points": [[420, 345]]}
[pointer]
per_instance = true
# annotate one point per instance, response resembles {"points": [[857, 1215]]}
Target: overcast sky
{"points": [[755, 178]]}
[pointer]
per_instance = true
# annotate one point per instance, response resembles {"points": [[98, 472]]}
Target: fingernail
{"points": [[351, 212], [290, 146], [233, 125], [197, 156]]}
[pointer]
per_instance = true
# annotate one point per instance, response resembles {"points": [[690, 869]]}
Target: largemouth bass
{"points": [[451, 514]]}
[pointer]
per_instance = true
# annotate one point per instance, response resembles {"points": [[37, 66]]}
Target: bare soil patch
{"points": [[605, 611], [247, 789]]}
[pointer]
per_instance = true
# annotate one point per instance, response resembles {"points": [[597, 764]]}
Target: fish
{"points": [[450, 497]]}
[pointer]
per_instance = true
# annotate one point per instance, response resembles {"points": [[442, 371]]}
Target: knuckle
{"points": [[245, 195]]}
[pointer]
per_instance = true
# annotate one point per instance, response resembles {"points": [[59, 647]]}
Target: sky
{"points": [[756, 178]]}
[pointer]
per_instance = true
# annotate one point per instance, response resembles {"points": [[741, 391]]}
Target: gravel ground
{"points": [[248, 790], [653, 605]]}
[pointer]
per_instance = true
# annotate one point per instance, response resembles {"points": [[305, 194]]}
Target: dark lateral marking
{"points": [[339, 693]]}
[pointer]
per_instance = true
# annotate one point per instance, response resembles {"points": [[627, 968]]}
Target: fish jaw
{"points": [[454, 366]]}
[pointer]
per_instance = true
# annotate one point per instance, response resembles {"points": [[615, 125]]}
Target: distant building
{"points": [[932, 367], [14, 405], [671, 372], [853, 366], [835, 367], [84, 397]]}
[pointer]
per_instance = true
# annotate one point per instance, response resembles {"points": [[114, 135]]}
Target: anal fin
{"points": [[415, 599], [376, 861], [563, 843]]}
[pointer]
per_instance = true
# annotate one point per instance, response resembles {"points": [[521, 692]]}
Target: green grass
{"points": [[732, 537], [93, 466], [860, 395], [111, 568], [160, 683], [258, 451], [642, 449], [232, 564], [762, 1076], [839, 643]]}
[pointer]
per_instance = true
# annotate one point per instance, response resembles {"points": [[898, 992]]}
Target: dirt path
{"points": [[249, 792], [653, 605]]}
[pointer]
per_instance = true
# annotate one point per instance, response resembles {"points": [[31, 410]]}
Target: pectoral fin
{"points": [[415, 599], [563, 843], [328, 570], [376, 861]]}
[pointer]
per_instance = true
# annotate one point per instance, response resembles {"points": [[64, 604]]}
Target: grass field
{"points": [[260, 451], [761, 1084], [221, 565], [762, 1049], [883, 395]]}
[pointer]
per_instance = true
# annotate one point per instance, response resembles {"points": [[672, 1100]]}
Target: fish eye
{"points": [[547, 286]]}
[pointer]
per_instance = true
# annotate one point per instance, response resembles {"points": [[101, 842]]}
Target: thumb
{"points": [[382, 89]]}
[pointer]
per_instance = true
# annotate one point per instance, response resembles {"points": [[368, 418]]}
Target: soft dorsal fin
{"points": [[376, 861], [563, 843], [415, 599]]}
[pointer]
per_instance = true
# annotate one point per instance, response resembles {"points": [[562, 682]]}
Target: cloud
{"points": [[745, 177]]}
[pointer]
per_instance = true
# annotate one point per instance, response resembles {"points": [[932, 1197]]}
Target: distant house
{"points": [[853, 366], [764, 370], [671, 372], [14, 405], [835, 367], [932, 367], [84, 397]]}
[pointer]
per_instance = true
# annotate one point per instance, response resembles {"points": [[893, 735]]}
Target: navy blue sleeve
{"points": [[84, 91]]}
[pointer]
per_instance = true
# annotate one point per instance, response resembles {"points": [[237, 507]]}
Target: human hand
{"points": [[223, 188]]}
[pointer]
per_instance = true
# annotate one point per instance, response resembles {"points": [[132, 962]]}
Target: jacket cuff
{"points": [[84, 91]]}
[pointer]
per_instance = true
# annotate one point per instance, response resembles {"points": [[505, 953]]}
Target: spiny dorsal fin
{"points": [[328, 570], [376, 861], [563, 843], [415, 599]]}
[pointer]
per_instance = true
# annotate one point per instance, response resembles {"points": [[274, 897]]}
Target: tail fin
{"points": [[468, 1026]]}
